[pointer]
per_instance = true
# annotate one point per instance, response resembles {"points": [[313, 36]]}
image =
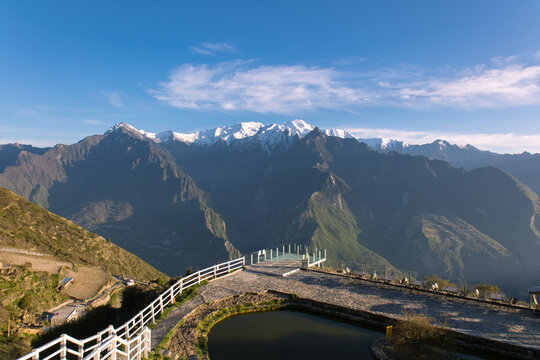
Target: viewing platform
{"points": [[492, 323]]}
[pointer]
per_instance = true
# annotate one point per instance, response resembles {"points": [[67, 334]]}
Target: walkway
{"points": [[506, 325]]}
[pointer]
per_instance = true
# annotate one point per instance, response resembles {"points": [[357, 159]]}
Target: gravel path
{"points": [[517, 327]]}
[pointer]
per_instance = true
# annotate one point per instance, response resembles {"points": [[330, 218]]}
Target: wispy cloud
{"points": [[279, 89], [287, 89], [513, 84], [498, 142], [114, 98], [213, 48], [96, 122]]}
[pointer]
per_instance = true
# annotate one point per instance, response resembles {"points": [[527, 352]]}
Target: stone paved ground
{"points": [[513, 326]]}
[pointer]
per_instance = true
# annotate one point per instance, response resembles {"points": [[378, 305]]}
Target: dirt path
{"points": [[87, 281]]}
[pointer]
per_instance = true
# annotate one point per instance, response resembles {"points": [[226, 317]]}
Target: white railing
{"points": [[317, 258], [284, 252], [132, 339]]}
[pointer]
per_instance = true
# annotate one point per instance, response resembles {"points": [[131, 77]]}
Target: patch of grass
{"points": [[419, 337], [417, 328], [181, 298]]}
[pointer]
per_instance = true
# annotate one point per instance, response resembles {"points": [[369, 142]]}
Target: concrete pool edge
{"points": [[290, 301]]}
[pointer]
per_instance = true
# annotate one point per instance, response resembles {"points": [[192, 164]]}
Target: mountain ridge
{"points": [[180, 205]]}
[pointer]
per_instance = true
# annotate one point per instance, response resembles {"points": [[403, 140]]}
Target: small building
{"points": [[65, 314], [65, 283]]}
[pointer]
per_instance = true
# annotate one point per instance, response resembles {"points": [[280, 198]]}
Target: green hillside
{"points": [[25, 225]]}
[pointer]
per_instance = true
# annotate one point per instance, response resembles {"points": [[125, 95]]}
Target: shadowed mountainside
{"points": [[178, 204]]}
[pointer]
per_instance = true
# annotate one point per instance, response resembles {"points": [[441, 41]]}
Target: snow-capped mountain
{"points": [[268, 136], [384, 144]]}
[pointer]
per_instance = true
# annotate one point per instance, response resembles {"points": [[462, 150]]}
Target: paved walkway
{"points": [[512, 326]]}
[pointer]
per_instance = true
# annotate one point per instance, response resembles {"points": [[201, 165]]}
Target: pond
{"points": [[288, 335]]}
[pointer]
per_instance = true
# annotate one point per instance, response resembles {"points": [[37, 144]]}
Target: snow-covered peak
{"points": [[384, 144], [126, 128], [268, 136]]}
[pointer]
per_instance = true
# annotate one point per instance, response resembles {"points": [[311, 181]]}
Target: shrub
{"points": [[418, 328]]}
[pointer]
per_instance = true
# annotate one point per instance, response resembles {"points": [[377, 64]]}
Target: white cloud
{"points": [[281, 89], [213, 48], [114, 98], [287, 89], [497, 142], [512, 84]]}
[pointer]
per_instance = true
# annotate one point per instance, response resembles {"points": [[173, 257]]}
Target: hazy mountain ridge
{"points": [[524, 166]]}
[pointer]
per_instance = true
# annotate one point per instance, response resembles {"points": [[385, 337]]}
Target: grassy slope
{"points": [[24, 225], [337, 230]]}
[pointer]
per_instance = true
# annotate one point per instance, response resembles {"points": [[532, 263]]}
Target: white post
{"points": [[80, 354], [215, 271], [325, 254], [113, 350], [277, 252], [172, 294], [229, 266], [198, 277], [271, 254], [283, 253], [153, 315], [251, 258], [63, 347], [160, 304], [289, 249]]}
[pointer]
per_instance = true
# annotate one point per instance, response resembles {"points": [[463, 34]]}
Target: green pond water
{"points": [[288, 335], [293, 335]]}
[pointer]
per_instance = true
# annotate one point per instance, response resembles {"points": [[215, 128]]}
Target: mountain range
{"points": [[180, 200]]}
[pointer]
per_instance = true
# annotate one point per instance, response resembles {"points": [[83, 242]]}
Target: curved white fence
{"points": [[132, 339]]}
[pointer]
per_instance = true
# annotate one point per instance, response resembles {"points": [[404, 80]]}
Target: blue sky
{"points": [[465, 71]]}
